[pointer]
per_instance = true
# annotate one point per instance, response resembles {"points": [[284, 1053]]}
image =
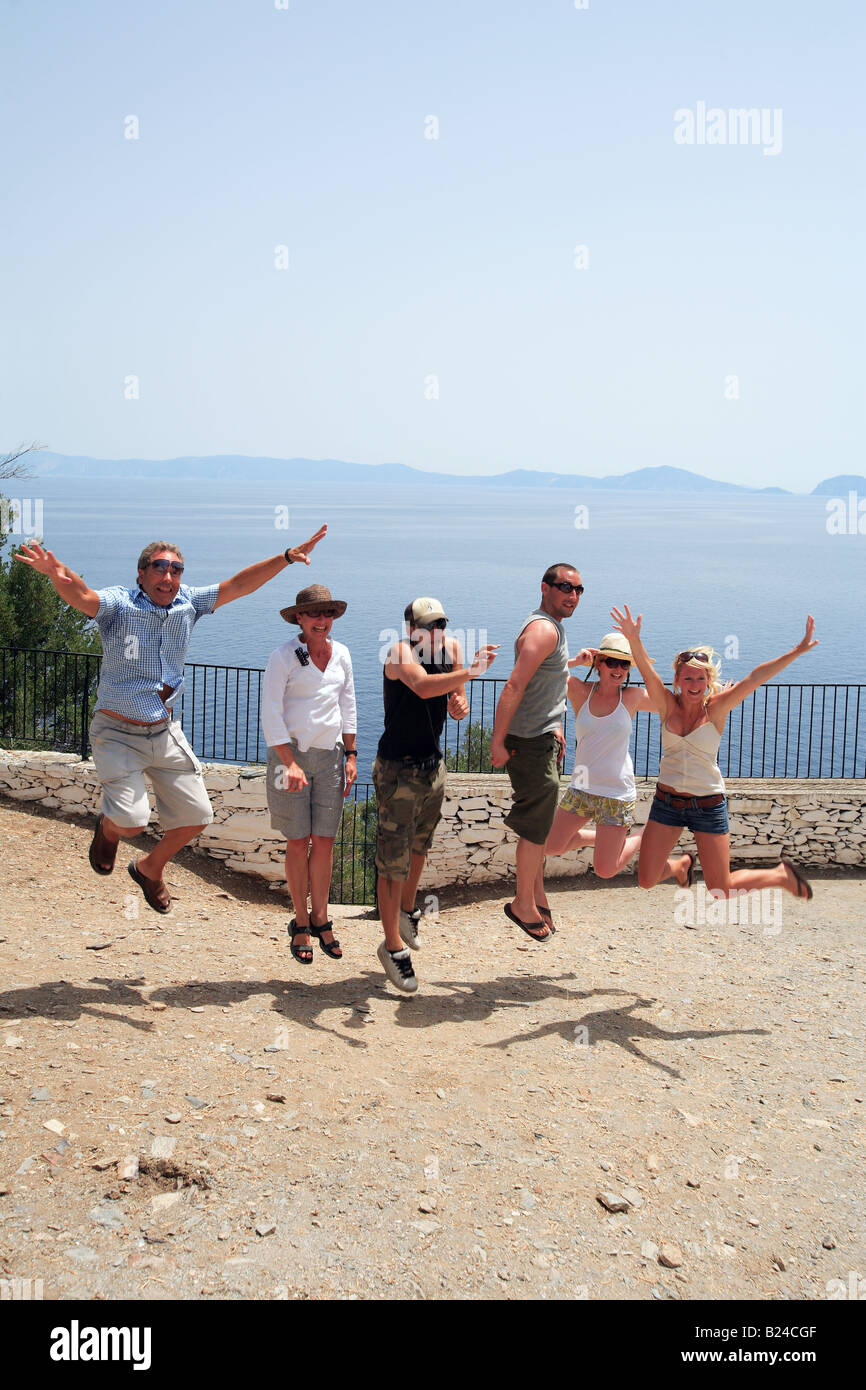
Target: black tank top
{"points": [[413, 726]]}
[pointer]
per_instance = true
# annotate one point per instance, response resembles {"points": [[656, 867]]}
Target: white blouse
{"points": [[303, 705]]}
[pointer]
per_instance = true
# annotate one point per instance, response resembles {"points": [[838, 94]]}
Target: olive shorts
{"points": [[534, 775], [409, 802]]}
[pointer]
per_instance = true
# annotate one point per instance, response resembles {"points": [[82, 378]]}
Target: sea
{"points": [[740, 571]]}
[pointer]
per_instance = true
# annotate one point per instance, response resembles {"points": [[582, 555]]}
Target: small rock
{"points": [[165, 1199], [427, 1205], [147, 1093], [41, 1093], [97, 946], [265, 1228], [56, 1126], [612, 1202], [196, 1102], [277, 1097], [693, 1182], [652, 1162], [604, 1166], [843, 1079], [224, 1232], [158, 1007], [127, 1168], [173, 1117], [102, 1163], [649, 1250], [828, 1243], [426, 1228], [27, 1164], [632, 1196], [671, 1256], [779, 1263], [108, 1215], [526, 1201], [82, 1254], [162, 1146], [440, 1093]]}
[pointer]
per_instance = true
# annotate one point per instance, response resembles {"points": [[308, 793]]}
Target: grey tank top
{"points": [[543, 703]]}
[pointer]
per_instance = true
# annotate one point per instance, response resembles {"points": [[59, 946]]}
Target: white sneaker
{"points": [[398, 967], [408, 924]]}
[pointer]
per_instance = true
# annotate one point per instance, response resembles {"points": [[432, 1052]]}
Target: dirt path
{"points": [[307, 1132]]}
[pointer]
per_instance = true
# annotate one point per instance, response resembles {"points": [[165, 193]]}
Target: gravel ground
{"points": [[306, 1132]]}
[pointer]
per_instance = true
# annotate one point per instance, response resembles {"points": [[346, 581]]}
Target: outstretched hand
{"points": [[807, 643], [43, 561], [625, 623], [301, 553], [483, 658]]}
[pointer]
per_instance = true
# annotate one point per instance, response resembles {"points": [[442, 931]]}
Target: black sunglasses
{"points": [[163, 566], [440, 623], [567, 588], [615, 663]]}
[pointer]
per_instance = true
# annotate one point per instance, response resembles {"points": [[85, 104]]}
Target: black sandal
{"points": [[547, 918], [302, 954], [531, 928], [330, 948]]}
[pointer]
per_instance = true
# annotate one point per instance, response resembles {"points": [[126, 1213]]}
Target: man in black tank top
{"points": [[424, 680]]}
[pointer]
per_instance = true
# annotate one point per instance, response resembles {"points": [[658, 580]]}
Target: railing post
{"points": [[85, 701]]}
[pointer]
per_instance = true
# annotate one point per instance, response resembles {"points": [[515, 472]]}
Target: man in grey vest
{"points": [[528, 740]]}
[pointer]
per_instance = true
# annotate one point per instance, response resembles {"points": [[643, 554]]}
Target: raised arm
{"points": [[722, 704], [70, 586], [254, 576], [402, 666], [659, 697]]}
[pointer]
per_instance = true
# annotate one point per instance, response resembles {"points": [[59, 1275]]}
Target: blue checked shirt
{"points": [[144, 647]]}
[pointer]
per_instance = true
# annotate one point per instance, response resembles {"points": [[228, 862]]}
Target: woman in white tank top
{"points": [[602, 787], [691, 791]]}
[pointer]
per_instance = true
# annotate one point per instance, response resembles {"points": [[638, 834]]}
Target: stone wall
{"points": [[815, 822]]}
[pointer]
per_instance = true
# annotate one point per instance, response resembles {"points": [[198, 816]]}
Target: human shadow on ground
{"points": [[305, 1005], [295, 1001], [613, 1025]]}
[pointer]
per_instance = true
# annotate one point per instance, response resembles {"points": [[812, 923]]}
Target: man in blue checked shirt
{"points": [[145, 635]]}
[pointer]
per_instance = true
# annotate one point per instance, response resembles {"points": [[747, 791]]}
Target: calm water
{"points": [[699, 569]]}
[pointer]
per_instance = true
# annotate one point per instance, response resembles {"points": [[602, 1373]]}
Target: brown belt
{"points": [[681, 802]]}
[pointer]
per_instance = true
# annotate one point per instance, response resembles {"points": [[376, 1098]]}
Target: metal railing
{"points": [[810, 731]]}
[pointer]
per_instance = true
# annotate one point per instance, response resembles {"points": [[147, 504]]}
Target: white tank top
{"points": [[690, 761], [602, 764]]}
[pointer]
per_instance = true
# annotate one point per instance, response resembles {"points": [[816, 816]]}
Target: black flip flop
{"points": [[97, 836], [529, 927], [548, 917], [802, 881]]}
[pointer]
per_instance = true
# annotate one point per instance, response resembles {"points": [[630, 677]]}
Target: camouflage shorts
{"points": [[409, 803]]}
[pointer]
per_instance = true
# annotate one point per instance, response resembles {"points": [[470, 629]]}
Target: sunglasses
{"points": [[692, 656], [615, 664], [439, 623], [319, 612], [567, 588], [163, 566]]}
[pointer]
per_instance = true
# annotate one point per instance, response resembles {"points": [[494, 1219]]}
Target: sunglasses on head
{"points": [[567, 588], [615, 663], [692, 656], [163, 566]]}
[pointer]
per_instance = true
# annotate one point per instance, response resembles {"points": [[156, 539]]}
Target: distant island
{"points": [[661, 479]]}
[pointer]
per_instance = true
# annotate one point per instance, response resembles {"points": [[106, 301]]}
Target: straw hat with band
{"points": [[316, 596], [616, 645]]}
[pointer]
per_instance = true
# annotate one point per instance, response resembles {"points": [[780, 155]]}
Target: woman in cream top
{"points": [[691, 792]]}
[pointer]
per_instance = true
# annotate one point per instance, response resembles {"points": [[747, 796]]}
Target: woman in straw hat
{"points": [[309, 723], [602, 787], [690, 793]]}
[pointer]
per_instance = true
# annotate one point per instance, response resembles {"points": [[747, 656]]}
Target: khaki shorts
{"points": [[604, 810], [534, 775], [123, 752], [409, 804]]}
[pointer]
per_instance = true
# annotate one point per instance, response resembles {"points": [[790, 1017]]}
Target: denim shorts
{"points": [[706, 820]]}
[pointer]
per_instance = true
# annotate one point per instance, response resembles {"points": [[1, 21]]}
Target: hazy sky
{"points": [[717, 325]]}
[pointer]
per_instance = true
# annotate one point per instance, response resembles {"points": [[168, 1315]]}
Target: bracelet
{"points": [[287, 558], [350, 752]]}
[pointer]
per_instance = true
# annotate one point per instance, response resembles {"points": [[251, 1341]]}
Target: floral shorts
{"points": [[604, 810]]}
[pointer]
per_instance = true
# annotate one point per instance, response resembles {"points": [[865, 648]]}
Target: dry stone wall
{"points": [[815, 822]]}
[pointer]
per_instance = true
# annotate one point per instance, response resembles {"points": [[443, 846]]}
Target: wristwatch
{"points": [[288, 559], [350, 752]]}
